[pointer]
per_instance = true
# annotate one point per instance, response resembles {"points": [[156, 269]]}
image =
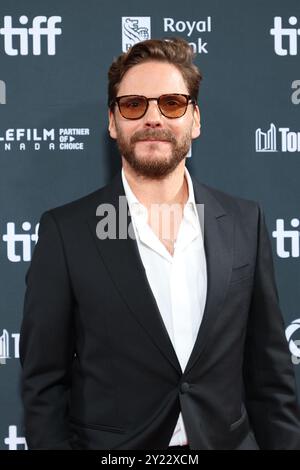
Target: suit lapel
{"points": [[217, 227], [124, 265]]}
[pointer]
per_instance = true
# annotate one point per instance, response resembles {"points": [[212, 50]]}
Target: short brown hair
{"points": [[176, 51]]}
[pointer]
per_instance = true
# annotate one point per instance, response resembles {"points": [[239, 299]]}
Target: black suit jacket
{"points": [[99, 369]]}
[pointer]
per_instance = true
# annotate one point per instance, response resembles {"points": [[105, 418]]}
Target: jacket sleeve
{"points": [[270, 390], [46, 342]]}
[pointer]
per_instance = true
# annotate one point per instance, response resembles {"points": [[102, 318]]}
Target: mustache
{"points": [[153, 134]]}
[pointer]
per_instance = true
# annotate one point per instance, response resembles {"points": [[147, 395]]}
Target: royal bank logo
{"points": [[9, 346], [285, 38], [134, 30], [191, 28], [287, 238], [273, 139], [2, 92], [43, 32], [293, 342]]}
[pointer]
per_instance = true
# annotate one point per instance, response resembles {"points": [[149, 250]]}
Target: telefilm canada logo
{"points": [[24, 37], [273, 139], [41, 138]]}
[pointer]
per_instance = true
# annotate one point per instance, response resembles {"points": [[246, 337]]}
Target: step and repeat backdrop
{"points": [[55, 147]]}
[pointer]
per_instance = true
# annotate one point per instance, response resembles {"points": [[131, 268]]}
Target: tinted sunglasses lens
{"points": [[173, 106], [132, 107]]}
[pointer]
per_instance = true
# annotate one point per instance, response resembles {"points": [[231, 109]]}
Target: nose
{"points": [[153, 116]]}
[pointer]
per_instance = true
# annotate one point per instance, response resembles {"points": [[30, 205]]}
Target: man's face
{"points": [[154, 145]]}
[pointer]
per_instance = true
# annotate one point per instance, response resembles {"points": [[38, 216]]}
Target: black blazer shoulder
{"points": [[86, 206], [230, 203]]}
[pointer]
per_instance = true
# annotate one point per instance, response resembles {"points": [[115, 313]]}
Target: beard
{"points": [[149, 166]]}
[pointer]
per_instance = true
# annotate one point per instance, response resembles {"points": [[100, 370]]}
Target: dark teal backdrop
{"points": [[54, 145]]}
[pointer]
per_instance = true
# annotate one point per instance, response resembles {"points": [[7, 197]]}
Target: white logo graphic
{"points": [[2, 92], [4, 347], [10, 34], [268, 141], [295, 96], [280, 234], [6, 351], [293, 345], [134, 30], [291, 33], [32, 139], [12, 238], [13, 441], [190, 27]]}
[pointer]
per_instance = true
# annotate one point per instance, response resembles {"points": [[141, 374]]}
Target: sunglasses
{"points": [[171, 106]]}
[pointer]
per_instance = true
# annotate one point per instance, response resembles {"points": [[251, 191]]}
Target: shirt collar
{"points": [[139, 211], [131, 197]]}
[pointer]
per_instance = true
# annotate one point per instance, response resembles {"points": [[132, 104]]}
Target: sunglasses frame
{"points": [[189, 100]]}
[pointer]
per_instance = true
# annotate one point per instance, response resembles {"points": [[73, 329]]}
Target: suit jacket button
{"points": [[184, 387]]}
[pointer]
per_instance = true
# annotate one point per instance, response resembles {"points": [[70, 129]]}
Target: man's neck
{"points": [[171, 190]]}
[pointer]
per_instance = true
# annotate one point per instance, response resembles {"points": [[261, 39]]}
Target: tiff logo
{"points": [[13, 47], [12, 238], [13, 441], [290, 33], [293, 236], [134, 30], [266, 141], [6, 352], [2, 92]]}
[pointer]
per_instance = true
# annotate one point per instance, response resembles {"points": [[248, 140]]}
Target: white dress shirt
{"points": [[178, 282]]}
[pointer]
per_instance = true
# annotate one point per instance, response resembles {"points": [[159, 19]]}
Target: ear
{"points": [[112, 124], [196, 122]]}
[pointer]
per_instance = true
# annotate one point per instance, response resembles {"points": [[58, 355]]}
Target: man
{"points": [[170, 334]]}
